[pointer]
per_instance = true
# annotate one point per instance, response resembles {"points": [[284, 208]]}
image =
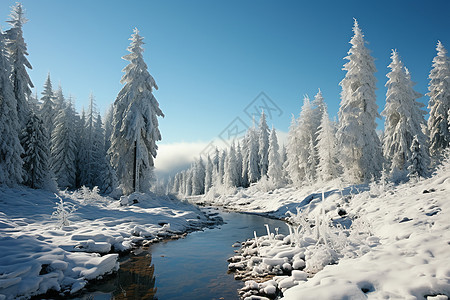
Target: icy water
{"points": [[191, 268]]}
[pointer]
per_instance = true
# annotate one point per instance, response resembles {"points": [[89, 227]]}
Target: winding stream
{"points": [[191, 268]]}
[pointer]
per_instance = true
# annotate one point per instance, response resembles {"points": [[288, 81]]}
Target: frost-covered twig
{"points": [[62, 213]]}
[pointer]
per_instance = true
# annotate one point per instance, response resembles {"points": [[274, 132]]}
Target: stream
{"points": [[194, 267]]}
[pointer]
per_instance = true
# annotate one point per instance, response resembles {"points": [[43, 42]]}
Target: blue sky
{"points": [[212, 58]]}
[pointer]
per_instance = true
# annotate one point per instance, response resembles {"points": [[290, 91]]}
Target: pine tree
{"points": [[17, 49], [231, 176], [439, 103], [358, 141], [10, 147], [47, 111], [221, 170], [253, 157], [275, 170], [107, 126], [64, 146], [244, 172], [404, 119], [81, 152], [263, 149], [135, 123], [198, 177], [36, 155], [292, 165], [328, 167], [208, 174], [418, 165], [307, 129], [239, 160]]}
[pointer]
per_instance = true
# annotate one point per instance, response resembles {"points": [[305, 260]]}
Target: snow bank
{"points": [[41, 253], [377, 242]]}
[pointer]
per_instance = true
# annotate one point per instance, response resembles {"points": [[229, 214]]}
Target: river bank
{"points": [[61, 242]]}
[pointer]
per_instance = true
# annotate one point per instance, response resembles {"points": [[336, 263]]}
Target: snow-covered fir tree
{"points": [[263, 149], [283, 161], [198, 177], [328, 167], [36, 156], [221, 169], [307, 157], [208, 174], [358, 142], [275, 166], [10, 148], [135, 123], [292, 165], [81, 149], [64, 148], [17, 49], [239, 161], [47, 111], [244, 153], [439, 103], [230, 176], [107, 126], [253, 172], [417, 166], [404, 119]]}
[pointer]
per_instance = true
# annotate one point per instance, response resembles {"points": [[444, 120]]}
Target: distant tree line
{"points": [[319, 149]]}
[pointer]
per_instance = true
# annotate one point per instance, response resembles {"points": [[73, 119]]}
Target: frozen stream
{"points": [[191, 268]]}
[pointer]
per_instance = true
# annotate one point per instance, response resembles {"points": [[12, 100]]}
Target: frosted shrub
{"points": [[63, 212]]}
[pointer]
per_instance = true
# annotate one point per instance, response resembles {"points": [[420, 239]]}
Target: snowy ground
{"points": [[393, 242], [37, 254]]}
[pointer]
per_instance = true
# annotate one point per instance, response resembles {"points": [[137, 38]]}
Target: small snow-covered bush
{"points": [[63, 212]]}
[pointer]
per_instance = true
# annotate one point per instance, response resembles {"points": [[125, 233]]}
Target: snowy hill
{"points": [[393, 242], [40, 253]]}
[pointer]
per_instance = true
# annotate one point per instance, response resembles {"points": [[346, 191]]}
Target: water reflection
{"points": [[136, 278]]}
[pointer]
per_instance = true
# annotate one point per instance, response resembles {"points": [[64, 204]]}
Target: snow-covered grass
{"points": [[379, 241], [41, 253]]}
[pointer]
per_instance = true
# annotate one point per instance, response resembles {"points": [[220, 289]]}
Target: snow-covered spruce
{"points": [[358, 142], [135, 123]]}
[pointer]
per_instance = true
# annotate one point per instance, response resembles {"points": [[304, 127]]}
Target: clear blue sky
{"points": [[211, 58]]}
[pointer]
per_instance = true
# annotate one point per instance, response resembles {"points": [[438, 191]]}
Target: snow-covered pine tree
{"points": [[64, 146], [291, 165], [404, 119], [358, 141], [328, 167], [252, 156], [98, 154], [82, 148], [135, 123], [221, 170], [275, 166], [17, 49], [198, 177], [244, 150], [417, 166], [107, 126], [10, 148], [188, 181], [36, 157], [439, 104], [231, 177], [419, 124], [307, 156], [263, 149], [239, 160], [47, 111], [283, 158], [208, 174], [319, 107]]}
